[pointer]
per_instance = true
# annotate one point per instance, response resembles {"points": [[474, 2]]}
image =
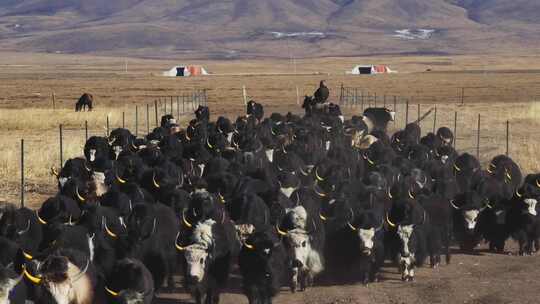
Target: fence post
{"points": [[384, 101], [22, 173], [183, 103], [395, 103], [177, 106], [435, 119], [340, 93], [61, 146], [418, 115], [136, 120], [244, 94], [54, 101], [164, 102], [156, 112], [86, 130], [478, 140], [368, 99], [171, 106], [107, 125], [507, 137], [406, 112], [375, 99], [123, 120], [298, 95], [147, 118], [455, 130]]}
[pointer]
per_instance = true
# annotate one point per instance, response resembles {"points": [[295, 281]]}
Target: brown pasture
{"points": [[499, 88]]}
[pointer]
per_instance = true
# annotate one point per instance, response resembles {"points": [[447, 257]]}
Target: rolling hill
{"points": [[283, 28]]}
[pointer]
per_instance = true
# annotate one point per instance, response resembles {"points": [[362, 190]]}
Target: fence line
{"points": [[350, 97], [470, 139]]}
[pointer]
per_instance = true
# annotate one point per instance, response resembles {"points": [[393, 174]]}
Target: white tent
{"points": [[370, 70], [185, 71]]}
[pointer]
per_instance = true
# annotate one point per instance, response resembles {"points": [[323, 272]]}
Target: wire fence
{"points": [[481, 129], [484, 130]]}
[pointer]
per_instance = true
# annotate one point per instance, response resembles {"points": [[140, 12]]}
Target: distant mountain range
{"points": [[282, 28]]}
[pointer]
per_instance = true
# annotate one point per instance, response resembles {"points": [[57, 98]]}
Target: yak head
{"points": [[199, 255]]}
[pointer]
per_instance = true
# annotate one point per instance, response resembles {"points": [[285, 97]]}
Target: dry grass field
{"points": [[498, 88]]}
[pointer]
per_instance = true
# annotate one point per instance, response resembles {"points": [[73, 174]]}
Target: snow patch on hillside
{"points": [[280, 35], [414, 34]]}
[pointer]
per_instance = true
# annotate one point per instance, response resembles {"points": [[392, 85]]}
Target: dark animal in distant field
{"points": [[322, 93], [85, 102]]}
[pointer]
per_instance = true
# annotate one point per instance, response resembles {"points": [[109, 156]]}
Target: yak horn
{"points": [[111, 292], [321, 194], [249, 246], [221, 198], [25, 230], [209, 144], [322, 217], [185, 221], [351, 226], [508, 175], [119, 179], [40, 220], [538, 183], [33, 279], [411, 195], [454, 205], [281, 232], [54, 171], [79, 196], [518, 194], [27, 256], [317, 176], [178, 247], [370, 161], [389, 222], [457, 168], [86, 167], [154, 180], [109, 232], [390, 194]]}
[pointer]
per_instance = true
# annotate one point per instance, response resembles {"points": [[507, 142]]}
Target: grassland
{"points": [[500, 88]]}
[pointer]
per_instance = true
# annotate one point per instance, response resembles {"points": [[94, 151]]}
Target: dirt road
{"points": [[485, 278]]}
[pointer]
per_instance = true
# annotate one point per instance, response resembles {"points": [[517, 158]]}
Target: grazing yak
{"points": [[85, 102]]}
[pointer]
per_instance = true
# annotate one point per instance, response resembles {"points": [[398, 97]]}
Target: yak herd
{"points": [[283, 200]]}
